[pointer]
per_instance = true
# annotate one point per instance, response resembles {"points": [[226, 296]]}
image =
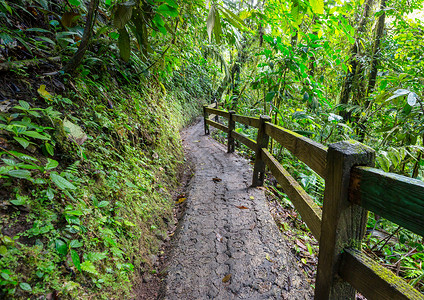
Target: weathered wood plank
{"points": [[251, 144], [311, 213], [310, 152], [217, 125], [249, 121], [211, 117], [262, 140], [205, 117], [373, 280], [213, 105], [343, 223], [218, 112], [397, 198], [230, 136]]}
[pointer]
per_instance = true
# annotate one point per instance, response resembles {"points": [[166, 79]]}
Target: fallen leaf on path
{"points": [[180, 200], [268, 258], [196, 141], [242, 207], [252, 198], [216, 179], [219, 237], [226, 278]]}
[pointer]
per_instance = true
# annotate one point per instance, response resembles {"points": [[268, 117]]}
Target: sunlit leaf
{"points": [[23, 174], [317, 6], [210, 22], [412, 99], [88, 267], [43, 93], [51, 164]]}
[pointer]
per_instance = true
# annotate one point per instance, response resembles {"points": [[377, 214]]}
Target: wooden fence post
{"points": [[216, 116], [205, 117], [343, 223], [231, 127], [262, 142]]}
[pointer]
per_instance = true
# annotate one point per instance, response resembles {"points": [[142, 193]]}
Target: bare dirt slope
{"points": [[228, 246]]}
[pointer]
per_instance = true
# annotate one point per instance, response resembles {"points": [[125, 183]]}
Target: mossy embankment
{"points": [[86, 206]]}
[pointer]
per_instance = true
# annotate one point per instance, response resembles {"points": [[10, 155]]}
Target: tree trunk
{"points": [[91, 18], [353, 61], [379, 30]]}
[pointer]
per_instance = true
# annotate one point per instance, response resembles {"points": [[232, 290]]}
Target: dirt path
{"points": [[228, 246]]}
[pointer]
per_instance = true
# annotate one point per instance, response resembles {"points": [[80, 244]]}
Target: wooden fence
{"points": [[352, 186]]}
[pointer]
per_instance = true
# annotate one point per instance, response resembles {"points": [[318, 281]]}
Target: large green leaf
{"points": [[317, 6], [74, 131], [61, 247], [167, 10], [172, 3], [76, 259], [210, 22], [24, 174], [124, 44], [217, 28], [51, 164], [25, 286], [123, 14], [36, 135], [24, 142], [231, 20], [233, 15], [61, 182]]}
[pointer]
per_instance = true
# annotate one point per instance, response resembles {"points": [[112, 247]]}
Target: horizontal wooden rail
{"points": [[310, 152], [248, 121], [217, 125], [251, 144], [397, 198], [218, 112], [373, 280], [311, 213], [349, 190]]}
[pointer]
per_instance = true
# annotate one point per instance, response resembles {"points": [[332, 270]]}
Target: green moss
{"points": [[119, 214]]}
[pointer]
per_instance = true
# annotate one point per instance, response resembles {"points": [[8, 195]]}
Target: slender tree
{"points": [[91, 19], [355, 50], [379, 31]]}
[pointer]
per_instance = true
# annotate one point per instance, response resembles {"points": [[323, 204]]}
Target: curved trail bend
{"points": [[228, 246]]}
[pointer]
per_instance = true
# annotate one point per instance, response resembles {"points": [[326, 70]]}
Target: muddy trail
{"points": [[227, 245]]}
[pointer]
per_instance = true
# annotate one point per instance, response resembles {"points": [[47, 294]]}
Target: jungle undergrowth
{"points": [[87, 180]]}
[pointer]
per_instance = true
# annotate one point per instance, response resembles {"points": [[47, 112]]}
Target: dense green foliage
{"points": [[334, 71], [94, 92], [90, 157]]}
